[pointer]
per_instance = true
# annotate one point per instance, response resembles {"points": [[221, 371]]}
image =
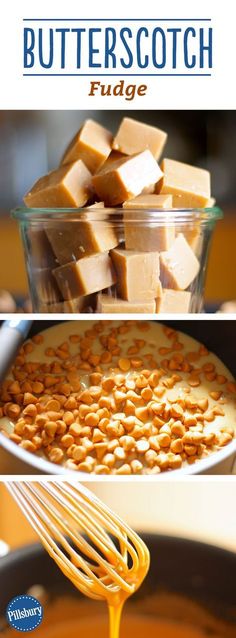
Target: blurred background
{"points": [[146, 507], [32, 143]]}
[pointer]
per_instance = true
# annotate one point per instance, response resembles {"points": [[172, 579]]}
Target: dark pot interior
{"points": [[200, 572]]}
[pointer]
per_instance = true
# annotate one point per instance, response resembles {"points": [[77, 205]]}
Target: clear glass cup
{"points": [[55, 237]]}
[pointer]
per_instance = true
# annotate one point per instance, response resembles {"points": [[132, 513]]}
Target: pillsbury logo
{"points": [[24, 613]]}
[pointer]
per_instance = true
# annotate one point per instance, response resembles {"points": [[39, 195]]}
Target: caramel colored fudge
{"points": [[149, 201], [188, 185], [78, 305], [46, 286], [79, 240], [147, 236], [134, 137], [85, 276], [40, 248], [126, 178], [179, 266], [193, 236], [108, 304], [173, 301], [141, 233], [113, 157], [137, 274], [67, 187], [92, 144]]}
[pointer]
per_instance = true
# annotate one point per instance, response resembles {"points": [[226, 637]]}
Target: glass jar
{"points": [[72, 268]]}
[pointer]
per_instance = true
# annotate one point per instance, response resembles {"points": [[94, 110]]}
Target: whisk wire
{"points": [[61, 513], [94, 531], [113, 529], [114, 525], [51, 546], [85, 547]]}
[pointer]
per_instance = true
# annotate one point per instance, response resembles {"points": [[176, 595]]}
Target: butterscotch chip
{"points": [[66, 187], [137, 273], [14, 387], [85, 276], [133, 137], [13, 411], [136, 466], [142, 446], [142, 414], [92, 144], [29, 398], [179, 266], [108, 304], [126, 178], [189, 185], [124, 364], [126, 404]]}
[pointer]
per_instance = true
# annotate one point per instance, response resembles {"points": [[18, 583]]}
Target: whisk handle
{"points": [[12, 334]]}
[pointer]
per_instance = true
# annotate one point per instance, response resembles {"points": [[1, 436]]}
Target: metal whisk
{"points": [[93, 547]]}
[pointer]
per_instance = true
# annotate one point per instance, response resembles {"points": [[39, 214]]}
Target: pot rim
{"points": [[30, 548], [49, 468]]}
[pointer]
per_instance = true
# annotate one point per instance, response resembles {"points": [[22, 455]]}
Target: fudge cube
{"points": [[76, 240], [192, 233], [73, 306], [46, 285], [141, 231], [133, 137], [85, 276], [114, 305], [189, 185], [40, 247], [179, 266], [173, 301], [149, 201], [126, 178], [67, 187], [92, 144], [113, 157], [137, 274]]}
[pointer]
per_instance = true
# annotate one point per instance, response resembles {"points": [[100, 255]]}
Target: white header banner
{"points": [[110, 55]]}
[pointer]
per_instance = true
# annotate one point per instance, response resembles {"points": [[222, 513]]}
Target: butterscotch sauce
{"points": [[103, 558], [124, 580], [137, 626], [73, 618]]}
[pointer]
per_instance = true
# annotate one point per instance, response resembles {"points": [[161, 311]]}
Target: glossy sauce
{"points": [[135, 625]]}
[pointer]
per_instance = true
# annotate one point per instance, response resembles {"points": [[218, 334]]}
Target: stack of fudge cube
{"points": [[143, 264]]}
